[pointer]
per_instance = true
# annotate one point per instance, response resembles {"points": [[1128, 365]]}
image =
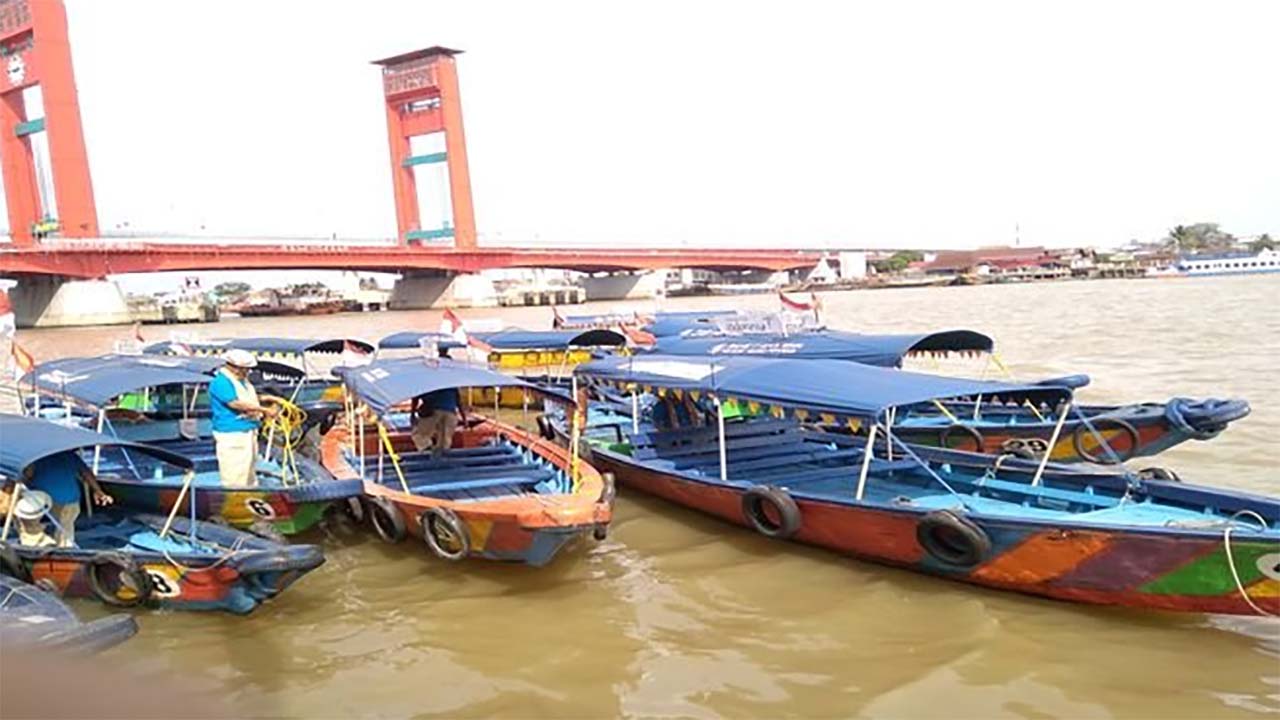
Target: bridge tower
{"points": [[34, 52], [421, 92]]}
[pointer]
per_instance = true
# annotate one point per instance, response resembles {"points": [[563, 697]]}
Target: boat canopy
{"points": [[878, 350], [98, 380], [799, 388], [383, 384], [27, 440], [409, 340], [581, 322], [516, 339], [674, 323], [261, 346]]}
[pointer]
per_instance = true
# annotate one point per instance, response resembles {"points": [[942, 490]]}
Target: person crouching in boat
{"points": [[29, 515], [61, 478], [435, 420], [237, 414]]}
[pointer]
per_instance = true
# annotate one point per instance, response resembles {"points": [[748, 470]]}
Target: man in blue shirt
{"points": [[436, 419], [61, 476], [236, 416]]}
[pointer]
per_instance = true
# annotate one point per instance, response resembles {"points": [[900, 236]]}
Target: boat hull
{"points": [[1148, 569]]}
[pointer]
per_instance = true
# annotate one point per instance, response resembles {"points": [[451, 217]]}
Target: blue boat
{"points": [[126, 559], [149, 398], [32, 617], [731, 437]]}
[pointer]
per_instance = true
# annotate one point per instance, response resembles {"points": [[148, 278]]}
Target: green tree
{"points": [[1198, 237], [231, 289], [1264, 242], [898, 261]]}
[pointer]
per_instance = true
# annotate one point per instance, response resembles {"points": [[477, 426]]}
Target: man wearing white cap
{"points": [[237, 414], [30, 512]]}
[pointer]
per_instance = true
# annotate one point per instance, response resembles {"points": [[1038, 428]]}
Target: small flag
{"points": [[638, 336], [353, 355], [137, 332], [25, 362], [796, 305], [557, 321]]}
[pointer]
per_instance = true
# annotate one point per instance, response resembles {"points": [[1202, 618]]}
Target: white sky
{"points": [[810, 124]]}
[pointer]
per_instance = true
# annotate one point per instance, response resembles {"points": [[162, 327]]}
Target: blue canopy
{"points": [[258, 346], [879, 350], [97, 380], [27, 440], [613, 319], [383, 384], [674, 323], [837, 387], [515, 339], [409, 339]]}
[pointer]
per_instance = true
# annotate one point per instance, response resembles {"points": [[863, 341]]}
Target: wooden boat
{"points": [[293, 492], [1028, 526], [127, 560], [499, 493], [1094, 433], [31, 617]]}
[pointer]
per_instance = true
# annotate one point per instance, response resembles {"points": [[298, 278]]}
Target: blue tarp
{"points": [[826, 386], [516, 339], [97, 380], [24, 440], [878, 350], [674, 323], [260, 345], [383, 384]]}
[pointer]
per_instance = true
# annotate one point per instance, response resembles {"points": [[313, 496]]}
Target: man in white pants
{"points": [[237, 415]]}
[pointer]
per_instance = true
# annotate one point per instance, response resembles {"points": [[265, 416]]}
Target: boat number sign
{"points": [[261, 508], [163, 584]]}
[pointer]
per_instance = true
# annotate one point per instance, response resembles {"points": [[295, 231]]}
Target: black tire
{"points": [[945, 439], [1105, 458], [386, 519], [544, 428], [1159, 473], [1018, 448], [445, 534], [265, 530], [754, 503], [600, 532], [129, 575], [11, 564], [953, 540], [355, 510]]}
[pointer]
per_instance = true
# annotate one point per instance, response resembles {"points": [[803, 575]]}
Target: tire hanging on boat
{"points": [[445, 533], [759, 500], [1017, 447], [385, 518], [11, 564], [354, 508], [129, 575], [1104, 457], [1159, 473], [545, 429], [952, 539], [265, 530], [945, 439]]}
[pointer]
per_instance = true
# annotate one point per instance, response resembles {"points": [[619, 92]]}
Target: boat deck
{"points": [[473, 474]]}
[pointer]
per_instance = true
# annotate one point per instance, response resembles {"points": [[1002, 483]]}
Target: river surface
{"points": [[679, 615]]}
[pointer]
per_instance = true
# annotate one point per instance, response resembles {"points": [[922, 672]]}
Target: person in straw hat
{"points": [[237, 415]]}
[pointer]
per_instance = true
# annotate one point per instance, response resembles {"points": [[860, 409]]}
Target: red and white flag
{"points": [[814, 304], [353, 355], [638, 336], [25, 362], [451, 325]]}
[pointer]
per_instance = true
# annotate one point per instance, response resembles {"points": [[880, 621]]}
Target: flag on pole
{"points": [[557, 321], [137, 332], [814, 304], [25, 362], [451, 325], [638, 336], [353, 355]]}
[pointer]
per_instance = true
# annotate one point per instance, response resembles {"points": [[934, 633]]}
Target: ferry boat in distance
{"points": [[1229, 263]]}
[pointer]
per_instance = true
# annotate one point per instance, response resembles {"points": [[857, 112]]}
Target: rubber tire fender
{"points": [[972, 432], [432, 520], [355, 509], [140, 579], [11, 564], [544, 428], [964, 546], [265, 530], [385, 518], [1017, 448], [753, 508], [1159, 473], [1081, 432]]}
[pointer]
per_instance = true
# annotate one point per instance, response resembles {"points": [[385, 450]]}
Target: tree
{"points": [[1264, 242], [1198, 237], [231, 289], [898, 261]]}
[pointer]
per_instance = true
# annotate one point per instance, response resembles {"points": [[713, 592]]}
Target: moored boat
{"points": [[126, 560], [31, 617], [163, 401], [498, 492], [1034, 527]]}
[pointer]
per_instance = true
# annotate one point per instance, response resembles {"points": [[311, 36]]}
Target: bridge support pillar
{"points": [[625, 286], [426, 290], [56, 301]]}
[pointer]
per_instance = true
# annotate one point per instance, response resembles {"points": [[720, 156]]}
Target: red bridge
{"points": [[56, 243]]}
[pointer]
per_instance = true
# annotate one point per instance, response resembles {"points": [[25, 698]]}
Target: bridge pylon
{"points": [[422, 98]]}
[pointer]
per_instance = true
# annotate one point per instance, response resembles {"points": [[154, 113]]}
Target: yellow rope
{"points": [[395, 459], [945, 411], [289, 418]]}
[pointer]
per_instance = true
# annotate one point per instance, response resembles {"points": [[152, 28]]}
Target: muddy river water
{"points": [[679, 615]]}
